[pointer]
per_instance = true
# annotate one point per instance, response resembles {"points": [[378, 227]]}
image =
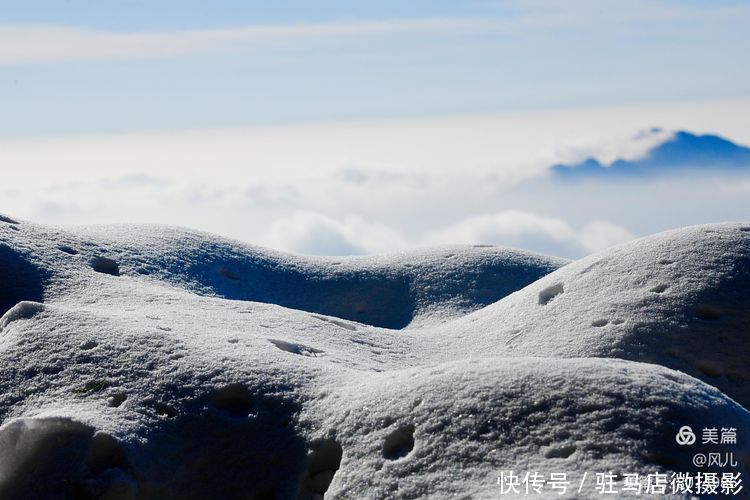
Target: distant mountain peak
{"points": [[681, 150]]}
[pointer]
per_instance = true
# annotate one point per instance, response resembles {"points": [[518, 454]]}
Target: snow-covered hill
{"points": [[154, 362]]}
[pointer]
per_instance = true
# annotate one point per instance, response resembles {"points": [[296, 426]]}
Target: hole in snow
{"points": [[89, 344], [164, 410], [399, 443], [300, 349], [117, 400], [560, 451], [707, 312], [7, 220], [600, 322], [666, 262], [106, 266], [549, 293], [68, 250], [745, 229], [618, 321], [234, 400], [105, 453], [659, 288], [322, 465], [228, 273]]}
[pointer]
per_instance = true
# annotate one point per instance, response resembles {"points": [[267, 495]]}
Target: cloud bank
{"points": [[354, 188]]}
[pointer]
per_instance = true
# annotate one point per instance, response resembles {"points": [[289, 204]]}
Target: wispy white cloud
{"points": [[531, 231], [312, 233], [41, 44], [22, 44], [609, 149], [316, 234]]}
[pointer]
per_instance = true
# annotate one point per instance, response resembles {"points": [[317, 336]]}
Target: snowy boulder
{"points": [[680, 299], [205, 368], [390, 291]]}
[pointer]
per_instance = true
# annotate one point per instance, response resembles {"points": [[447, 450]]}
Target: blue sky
{"points": [[357, 127], [456, 57]]}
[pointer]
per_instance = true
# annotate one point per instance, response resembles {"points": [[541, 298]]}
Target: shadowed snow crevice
{"points": [[106, 266], [399, 442], [322, 464], [548, 294]]}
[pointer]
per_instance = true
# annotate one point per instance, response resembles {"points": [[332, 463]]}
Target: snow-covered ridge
{"points": [[152, 362], [388, 291]]}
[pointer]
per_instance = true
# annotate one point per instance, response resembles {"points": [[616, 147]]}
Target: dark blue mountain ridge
{"points": [[682, 151]]}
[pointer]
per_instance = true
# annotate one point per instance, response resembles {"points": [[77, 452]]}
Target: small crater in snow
{"points": [[549, 293], [68, 250], [399, 443], [7, 220], [227, 273], [105, 266], [117, 399], [234, 400], [105, 453], [600, 322], [322, 465], [666, 262], [659, 288], [164, 410], [89, 344], [560, 451], [707, 312], [745, 229]]}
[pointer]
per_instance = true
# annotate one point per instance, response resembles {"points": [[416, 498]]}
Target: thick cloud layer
{"points": [[369, 189]]}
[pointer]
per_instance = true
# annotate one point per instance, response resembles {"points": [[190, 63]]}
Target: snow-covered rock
{"points": [[680, 299], [153, 362]]}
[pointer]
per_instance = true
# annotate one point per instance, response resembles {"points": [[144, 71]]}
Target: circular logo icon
{"points": [[685, 436]]}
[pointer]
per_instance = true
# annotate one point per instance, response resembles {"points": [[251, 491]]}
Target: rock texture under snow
{"points": [[153, 362]]}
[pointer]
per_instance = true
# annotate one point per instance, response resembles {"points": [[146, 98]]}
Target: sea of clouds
{"points": [[371, 187]]}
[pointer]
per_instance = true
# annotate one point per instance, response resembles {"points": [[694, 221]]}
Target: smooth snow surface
{"points": [[157, 363]]}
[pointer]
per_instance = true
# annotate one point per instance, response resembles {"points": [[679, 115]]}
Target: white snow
{"points": [[156, 362]]}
